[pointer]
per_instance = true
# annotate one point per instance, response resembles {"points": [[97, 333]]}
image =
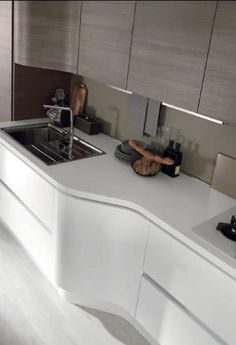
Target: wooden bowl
{"points": [[146, 167]]}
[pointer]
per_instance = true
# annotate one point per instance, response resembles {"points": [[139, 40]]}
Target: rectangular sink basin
{"points": [[50, 144]]}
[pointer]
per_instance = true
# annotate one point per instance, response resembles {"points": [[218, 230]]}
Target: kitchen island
{"points": [[110, 239]]}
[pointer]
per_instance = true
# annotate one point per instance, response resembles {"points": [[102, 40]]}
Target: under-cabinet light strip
{"points": [[119, 89], [204, 117]]}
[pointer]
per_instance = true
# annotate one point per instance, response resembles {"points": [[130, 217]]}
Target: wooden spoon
{"points": [[149, 155]]}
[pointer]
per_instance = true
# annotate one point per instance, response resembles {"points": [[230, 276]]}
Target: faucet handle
{"points": [[54, 115], [60, 116], [63, 113]]}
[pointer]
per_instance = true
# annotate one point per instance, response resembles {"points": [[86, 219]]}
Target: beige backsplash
{"points": [[201, 139], [201, 142]]}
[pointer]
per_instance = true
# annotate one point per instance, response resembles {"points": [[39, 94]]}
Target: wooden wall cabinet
{"points": [[169, 50], [105, 40], [159, 49], [218, 97], [47, 34], [5, 60]]}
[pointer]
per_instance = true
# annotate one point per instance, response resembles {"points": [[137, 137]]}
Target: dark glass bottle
{"points": [[176, 155], [168, 153], [178, 161]]}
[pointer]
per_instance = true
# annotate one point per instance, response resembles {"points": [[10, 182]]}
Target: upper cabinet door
{"points": [[169, 50], [5, 60], [105, 39], [47, 34], [218, 97]]}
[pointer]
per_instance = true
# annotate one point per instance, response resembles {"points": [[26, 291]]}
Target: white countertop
{"points": [[175, 204]]}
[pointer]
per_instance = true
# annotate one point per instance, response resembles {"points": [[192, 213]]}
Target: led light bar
{"points": [[204, 117], [119, 89]]}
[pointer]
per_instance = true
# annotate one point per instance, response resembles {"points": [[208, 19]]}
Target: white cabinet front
{"points": [[202, 288], [99, 251], [35, 192], [28, 231], [166, 321]]}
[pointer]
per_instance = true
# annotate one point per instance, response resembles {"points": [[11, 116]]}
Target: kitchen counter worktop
{"points": [[177, 205]]}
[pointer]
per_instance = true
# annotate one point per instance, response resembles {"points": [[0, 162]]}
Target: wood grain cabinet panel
{"points": [[169, 50], [105, 40], [47, 34], [219, 88], [5, 59]]}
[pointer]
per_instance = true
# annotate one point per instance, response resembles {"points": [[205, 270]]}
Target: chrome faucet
{"points": [[71, 132]]}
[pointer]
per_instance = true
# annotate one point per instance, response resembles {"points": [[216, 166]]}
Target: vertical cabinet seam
{"points": [[131, 43], [208, 52], [144, 257], [80, 20], [12, 59]]}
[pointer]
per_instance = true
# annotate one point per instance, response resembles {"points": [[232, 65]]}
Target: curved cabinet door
{"points": [[47, 34], [169, 50], [5, 59], [105, 39], [219, 88], [99, 251]]}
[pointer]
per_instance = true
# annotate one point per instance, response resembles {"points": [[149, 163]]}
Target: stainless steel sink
{"points": [[51, 144]]}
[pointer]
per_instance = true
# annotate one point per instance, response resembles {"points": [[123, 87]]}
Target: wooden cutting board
{"points": [[224, 178], [78, 99]]}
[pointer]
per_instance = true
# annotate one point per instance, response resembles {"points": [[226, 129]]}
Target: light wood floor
{"points": [[32, 313]]}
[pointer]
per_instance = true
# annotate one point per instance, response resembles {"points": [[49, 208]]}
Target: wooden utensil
{"points": [[150, 155]]}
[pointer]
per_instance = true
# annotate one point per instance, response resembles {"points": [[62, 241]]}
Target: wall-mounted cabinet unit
{"points": [[169, 50], [106, 29], [218, 97], [47, 34], [5, 60]]}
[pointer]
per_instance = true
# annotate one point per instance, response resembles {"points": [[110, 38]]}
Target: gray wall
{"points": [[108, 104], [201, 139]]}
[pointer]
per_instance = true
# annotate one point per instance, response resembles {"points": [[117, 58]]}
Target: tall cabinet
{"points": [[169, 50], [219, 88], [5, 60]]}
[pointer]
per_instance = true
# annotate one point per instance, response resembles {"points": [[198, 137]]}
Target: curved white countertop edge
{"points": [[199, 246]]}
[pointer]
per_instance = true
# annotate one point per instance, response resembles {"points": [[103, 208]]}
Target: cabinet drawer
{"points": [[202, 288], [29, 232], [27, 185], [166, 321]]}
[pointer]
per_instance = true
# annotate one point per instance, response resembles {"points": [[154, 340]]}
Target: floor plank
{"points": [[32, 313]]}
